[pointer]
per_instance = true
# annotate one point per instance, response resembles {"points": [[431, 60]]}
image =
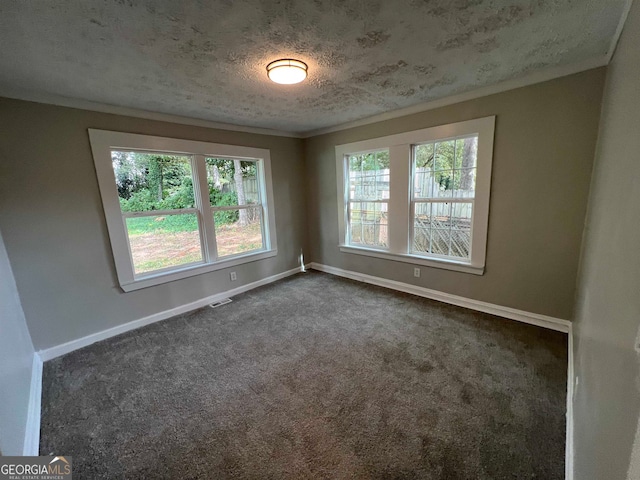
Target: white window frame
{"points": [[400, 226], [103, 142], [349, 200]]}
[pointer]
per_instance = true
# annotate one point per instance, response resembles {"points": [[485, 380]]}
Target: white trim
{"points": [[524, 81], [172, 274], [537, 319], [568, 462], [423, 135], [445, 264], [32, 432], [104, 141], [78, 103], [400, 181], [401, 201], [58, 350], [616, 36]]}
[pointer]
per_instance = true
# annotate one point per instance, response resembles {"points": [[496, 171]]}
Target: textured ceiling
{"points": [[206, 59]]}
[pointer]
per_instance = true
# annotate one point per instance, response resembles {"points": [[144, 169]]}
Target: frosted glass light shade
{"points": [[287, 71]]}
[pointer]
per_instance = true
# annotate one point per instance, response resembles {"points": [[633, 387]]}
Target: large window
{"points": [[421, 197], [177, 208], [444, 180], [368, 198]]}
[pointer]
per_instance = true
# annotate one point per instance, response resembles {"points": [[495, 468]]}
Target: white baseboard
{"points": [[58, 350], [32, 437], [32, 433], [545, 321], [568, 462]]}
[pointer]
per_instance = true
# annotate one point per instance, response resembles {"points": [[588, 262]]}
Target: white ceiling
{"points": [[206, 59]]}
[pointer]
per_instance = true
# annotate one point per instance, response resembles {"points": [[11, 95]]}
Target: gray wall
{"points": [[54, 229], [544, 148], [16, 358], [607, 401]]}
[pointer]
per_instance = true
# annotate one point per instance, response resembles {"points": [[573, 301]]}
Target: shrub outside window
{"points": [[176, 208]]}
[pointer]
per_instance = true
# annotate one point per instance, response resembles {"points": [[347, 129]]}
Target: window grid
{"points": [[379, 226], [458, 240], [456, 234], [176, 256], [367, 188], [118, 187], [460, 191]]}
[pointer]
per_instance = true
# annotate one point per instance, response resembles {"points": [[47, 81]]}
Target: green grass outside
{"points": [[172, 240], [175, 223], [162, 224]]}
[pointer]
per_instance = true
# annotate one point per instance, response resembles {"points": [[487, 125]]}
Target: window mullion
{"points": [[444, 233], [203, 204], [399, 198]]}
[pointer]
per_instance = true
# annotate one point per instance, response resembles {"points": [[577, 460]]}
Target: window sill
{"points": [[193, 270], [415, 259]]}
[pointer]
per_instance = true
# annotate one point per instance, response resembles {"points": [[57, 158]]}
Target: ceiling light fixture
{"points": [[287, 71]]}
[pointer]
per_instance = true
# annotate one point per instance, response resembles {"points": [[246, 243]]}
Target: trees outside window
{"points": [[172, 215]]}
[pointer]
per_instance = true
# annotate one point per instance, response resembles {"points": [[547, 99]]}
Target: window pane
{"points": [[423, 184], [445, 169], [444, 155], [368, 224], [465, 183], [440, 241], [442, 228], [238, 231], [152, 181], [424, 156], [232, 182], [369, 176], [422, 228], [440, 215], [442, 184], [466, 152], [460, 243], [461, 216], [163, 241]]}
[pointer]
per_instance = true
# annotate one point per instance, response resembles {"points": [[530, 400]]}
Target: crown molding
{"points": [[616, 36], [526, 80], [539, 76], [62, 101]]}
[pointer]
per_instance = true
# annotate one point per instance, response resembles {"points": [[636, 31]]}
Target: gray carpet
{"points": [[314, 377]]}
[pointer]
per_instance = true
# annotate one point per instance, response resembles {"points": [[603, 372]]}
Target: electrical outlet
{"points": [[233, 276], [416, 272]]}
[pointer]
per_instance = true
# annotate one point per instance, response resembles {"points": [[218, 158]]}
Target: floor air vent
{"points": [[219, 303]]}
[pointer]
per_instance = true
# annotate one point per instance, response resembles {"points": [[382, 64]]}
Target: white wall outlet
{"points": [[233, 276], [416, 272]]}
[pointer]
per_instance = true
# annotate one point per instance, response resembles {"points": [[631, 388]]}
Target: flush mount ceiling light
{"points": [[287, 71]]}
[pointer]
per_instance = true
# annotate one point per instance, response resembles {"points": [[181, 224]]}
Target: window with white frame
{"points": [[421, 197], [176, 208], [368, 202]]}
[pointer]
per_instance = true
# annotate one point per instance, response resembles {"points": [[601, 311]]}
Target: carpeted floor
{"points": [[314, 377]]}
